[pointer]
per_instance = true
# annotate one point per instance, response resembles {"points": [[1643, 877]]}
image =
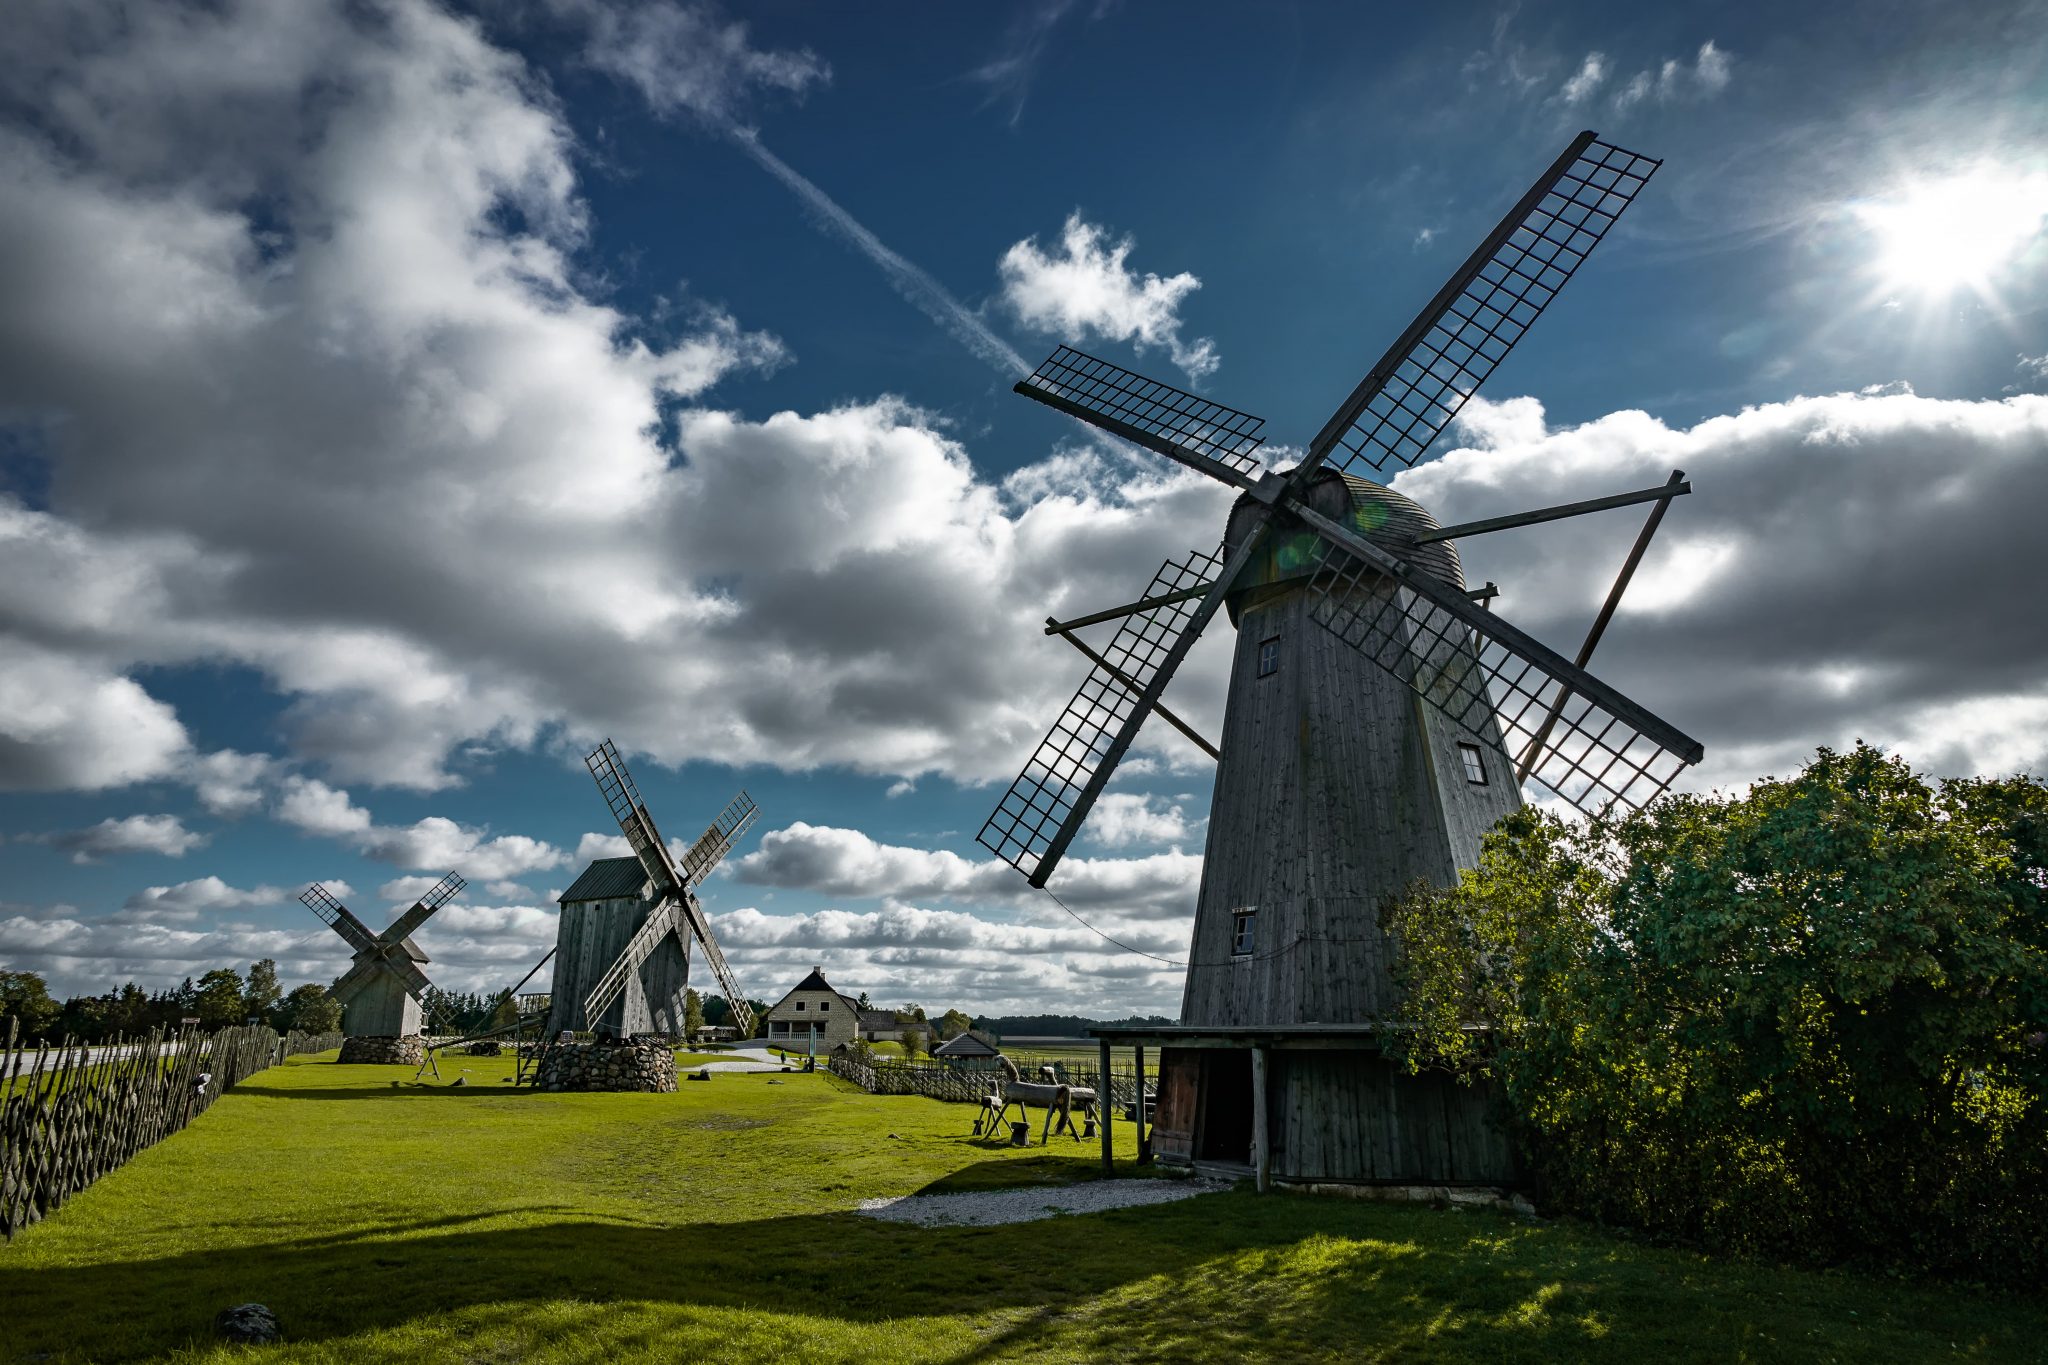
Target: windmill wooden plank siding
{"points": [[601, 911], [1338, 787]]}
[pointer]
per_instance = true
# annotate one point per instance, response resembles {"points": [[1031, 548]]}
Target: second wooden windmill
{"points": [[384, 996], [1380, 719], [622, 948]]}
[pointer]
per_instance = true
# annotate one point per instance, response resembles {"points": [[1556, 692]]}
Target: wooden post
{"points": [[1262, 1133], [1103, 1108], [1138, 1107]]}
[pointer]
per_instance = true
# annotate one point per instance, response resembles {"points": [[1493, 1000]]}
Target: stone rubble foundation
{"points": [[385, 1050], [646, 1068]]}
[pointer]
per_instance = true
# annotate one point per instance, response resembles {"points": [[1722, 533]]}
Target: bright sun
{"points": [[1940, 235]]}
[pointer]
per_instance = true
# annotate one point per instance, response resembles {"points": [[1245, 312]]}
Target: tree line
{"points": [[217, 999]]}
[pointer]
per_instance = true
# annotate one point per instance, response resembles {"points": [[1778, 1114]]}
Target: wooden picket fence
{"points": [[70, 1112], [936, 1080]]}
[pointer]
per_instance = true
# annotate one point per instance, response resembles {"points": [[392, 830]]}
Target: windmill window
{"points": [[1243, 930], [1269, 656], [1475, 768]]}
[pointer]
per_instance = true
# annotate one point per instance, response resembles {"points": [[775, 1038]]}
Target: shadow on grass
{"points": [[1208, 1276], [397, 1090], [1222, 1277]]}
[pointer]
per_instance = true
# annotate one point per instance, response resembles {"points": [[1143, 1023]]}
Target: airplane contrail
{"points": [[923, 292]]}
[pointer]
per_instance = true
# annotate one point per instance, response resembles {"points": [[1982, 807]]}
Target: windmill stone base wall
{"points": [[645, 1068], [370, 1050]]}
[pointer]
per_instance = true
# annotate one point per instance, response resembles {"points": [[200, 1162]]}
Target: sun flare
{"points": [[1937, 236]]}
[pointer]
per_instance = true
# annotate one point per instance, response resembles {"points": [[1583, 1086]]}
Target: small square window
{"points": [[1269, 656], [824, 1005], [1243, 929], [799, 1006], [1475, 767]]}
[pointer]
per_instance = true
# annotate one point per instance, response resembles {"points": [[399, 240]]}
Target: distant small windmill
{"points": [[623, 943], [383, 994], [1336, 784]]}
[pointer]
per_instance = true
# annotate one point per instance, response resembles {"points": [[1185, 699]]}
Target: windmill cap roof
{"points": [[607, 879], [1375, 511]]}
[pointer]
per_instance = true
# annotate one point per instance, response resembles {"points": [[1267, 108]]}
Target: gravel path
{"points": [[990, 1207], [751, 1059]]}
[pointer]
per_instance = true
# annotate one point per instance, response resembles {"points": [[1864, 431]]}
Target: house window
{"points": [[799, 1007], [1475, 769], [1269, 656], [1243, 927], [824, 1005]]}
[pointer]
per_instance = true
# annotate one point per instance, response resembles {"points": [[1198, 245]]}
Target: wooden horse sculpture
{"points": [[1054, 1097]]}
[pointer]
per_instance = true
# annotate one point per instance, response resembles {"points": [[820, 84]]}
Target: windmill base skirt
{"points": [[643, 1068], [375, 1050]]}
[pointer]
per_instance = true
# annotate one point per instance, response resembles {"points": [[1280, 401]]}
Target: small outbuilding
{"points": [[968, 1053]]}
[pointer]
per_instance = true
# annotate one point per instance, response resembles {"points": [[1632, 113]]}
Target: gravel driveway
{"points": [[986, 1208]]}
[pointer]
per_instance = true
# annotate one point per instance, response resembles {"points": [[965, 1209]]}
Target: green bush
{"points": [[1805, 1022]]}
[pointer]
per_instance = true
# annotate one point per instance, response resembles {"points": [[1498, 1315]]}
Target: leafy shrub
{"points": [[1809, 1021]]}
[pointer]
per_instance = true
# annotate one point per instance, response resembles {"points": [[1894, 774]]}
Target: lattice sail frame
{"points": [[1422, 388], [1146, 411], [1589, 757], [1039, 801], [719, 837]]}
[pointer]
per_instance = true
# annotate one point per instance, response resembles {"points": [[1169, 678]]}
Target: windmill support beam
{"points": [[1053, 627], [1662, 495], [1607, 608], [1484, 594], [1455, 603], [1103, 1113], [1130, 684]]}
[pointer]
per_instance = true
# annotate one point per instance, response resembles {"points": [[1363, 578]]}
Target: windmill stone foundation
{"points": [[370, 1050], [641, 1068]]}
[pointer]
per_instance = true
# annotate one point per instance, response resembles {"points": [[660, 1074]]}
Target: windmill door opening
{"points": [[1223, 1132]]}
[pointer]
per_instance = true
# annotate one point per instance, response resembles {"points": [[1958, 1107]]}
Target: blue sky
{"points": [[395, 399]]}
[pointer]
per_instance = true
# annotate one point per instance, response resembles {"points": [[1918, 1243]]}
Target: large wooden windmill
{"points": [[622, 948], [1380, 718], [383, 994]]}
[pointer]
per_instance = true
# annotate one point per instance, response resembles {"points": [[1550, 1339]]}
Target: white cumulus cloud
{"points": [[164, 834], [1085, 287]]}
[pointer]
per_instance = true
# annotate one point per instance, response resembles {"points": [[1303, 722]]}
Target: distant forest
{"points": [[1058, 1025]]}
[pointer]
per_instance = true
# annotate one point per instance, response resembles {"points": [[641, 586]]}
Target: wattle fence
{"points": [[70, 1112], [936, 1080]]}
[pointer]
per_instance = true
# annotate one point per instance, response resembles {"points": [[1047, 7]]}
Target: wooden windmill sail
{"points": [[1380, 718], [637, 985], [384, 992]]}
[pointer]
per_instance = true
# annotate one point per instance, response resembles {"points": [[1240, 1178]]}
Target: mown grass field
{"points": [[477, 1224]]}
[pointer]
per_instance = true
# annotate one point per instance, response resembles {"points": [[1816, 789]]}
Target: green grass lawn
{"points": [[485, 1225]]}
